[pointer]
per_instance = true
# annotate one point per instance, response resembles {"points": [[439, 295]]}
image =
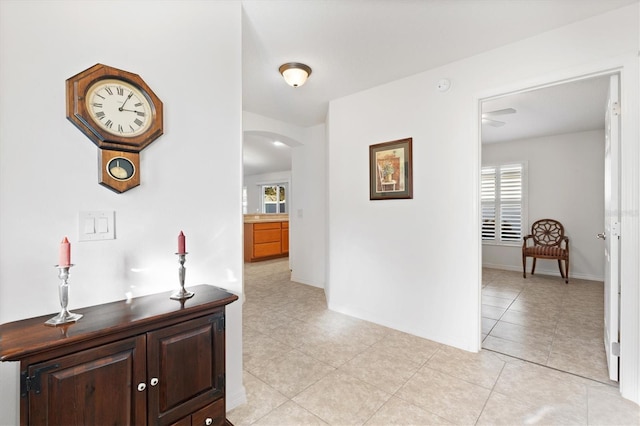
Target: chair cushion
{"points": [[547, 251]]}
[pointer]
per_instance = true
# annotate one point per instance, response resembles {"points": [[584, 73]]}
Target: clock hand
{"points": [[130, 110], [125, 101]]}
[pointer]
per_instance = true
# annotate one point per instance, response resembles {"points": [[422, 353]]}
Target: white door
{"points": [[611, 235]]}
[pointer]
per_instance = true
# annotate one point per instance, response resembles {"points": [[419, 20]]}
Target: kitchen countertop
{"points": [[261, 218]]}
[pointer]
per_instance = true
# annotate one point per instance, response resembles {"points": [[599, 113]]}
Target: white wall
{"points": [[307, 214], [48, 169], [566, 182], [414, 265]]}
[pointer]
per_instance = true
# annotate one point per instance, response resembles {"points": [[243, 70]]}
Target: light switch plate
{"points": [[96, 225]]}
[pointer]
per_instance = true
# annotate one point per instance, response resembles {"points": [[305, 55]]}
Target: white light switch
{"points": [[103, 225], [96, 225], [89, 225]]}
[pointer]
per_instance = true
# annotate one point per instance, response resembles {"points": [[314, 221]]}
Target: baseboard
{"points": [[376, 318], [542, 271], [236, 399], [302, 280]]}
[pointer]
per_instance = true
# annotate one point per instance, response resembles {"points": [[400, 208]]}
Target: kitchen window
{"points": [[274, 198]]}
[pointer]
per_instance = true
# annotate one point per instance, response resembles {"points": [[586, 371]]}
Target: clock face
{"points": [[121, 168], [119, 107]]}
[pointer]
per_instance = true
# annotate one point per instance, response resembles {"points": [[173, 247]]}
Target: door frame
{"points": [[628, 69], [611, 238]]}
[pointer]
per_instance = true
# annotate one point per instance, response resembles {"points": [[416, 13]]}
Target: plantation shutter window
{"points": [[503, 201], [488, 196]]}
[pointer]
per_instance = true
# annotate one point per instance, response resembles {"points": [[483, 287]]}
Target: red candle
{"points": [[181, 244], [65, 253]]}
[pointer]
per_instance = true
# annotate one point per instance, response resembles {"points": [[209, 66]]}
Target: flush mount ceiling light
{"points": [[295, 73]]}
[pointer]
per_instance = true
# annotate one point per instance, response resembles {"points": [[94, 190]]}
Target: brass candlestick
{"points": [[64, 317], [182, 294]]}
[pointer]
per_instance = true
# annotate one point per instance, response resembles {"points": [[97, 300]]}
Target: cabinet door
{"points": [[97, 386], [186, 363], [285, 237]]}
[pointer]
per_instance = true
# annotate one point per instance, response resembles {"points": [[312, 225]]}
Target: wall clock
{"points": [[119, 113]]}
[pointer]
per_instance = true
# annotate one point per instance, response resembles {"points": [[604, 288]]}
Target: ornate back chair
{"points": [[383, 182], [547, 236]]}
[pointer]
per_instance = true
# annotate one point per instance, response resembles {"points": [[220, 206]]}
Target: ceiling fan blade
{"points": [[492, 123], [499, 112]]}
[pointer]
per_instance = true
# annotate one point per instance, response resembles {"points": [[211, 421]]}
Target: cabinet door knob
{"points": [[154, 381], [141, 387], [208, 421]]}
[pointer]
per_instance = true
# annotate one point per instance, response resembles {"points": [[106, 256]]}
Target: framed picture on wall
{"points": [[391, 170]]}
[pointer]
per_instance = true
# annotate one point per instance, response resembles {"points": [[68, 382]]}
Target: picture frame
{"points": [[391, 170]]}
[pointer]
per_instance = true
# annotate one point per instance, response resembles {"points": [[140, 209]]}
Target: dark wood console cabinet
{"points": [[151, 360]]}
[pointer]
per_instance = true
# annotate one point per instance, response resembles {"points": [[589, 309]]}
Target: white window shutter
{"points": [[511, 202], [503, 203], [488, 199]]}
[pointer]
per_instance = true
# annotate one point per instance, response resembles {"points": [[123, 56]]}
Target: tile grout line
{"points": [[394, 394], [505, 311], [552, 368], [490, 393]]}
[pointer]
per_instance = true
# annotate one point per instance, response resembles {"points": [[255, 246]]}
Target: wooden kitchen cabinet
{"points": [[285, 237], [266, 240], [150, 361]]}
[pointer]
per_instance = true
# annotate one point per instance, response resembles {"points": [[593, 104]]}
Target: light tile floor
{"points": [[543, 320], [306, 365]]}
